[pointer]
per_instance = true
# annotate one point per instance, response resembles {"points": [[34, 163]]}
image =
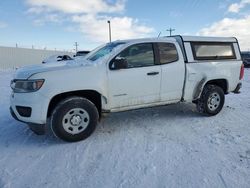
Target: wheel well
{"points": [[221, 83], [91, 95]]}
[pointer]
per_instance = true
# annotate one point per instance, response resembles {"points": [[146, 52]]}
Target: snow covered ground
{"points": [[171, 146]]}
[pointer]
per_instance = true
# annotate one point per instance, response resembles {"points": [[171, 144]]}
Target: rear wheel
{"points": [[211, 100], [74, 119]]}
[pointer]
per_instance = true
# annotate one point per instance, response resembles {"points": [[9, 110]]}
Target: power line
{"points": [[170, 30]]}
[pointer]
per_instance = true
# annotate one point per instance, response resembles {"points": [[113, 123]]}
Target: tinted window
{"points": [[168, 53], [139, 55], [213, 51]]}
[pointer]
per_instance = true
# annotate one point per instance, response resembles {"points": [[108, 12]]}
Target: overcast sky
{"points": [[60, 23]]}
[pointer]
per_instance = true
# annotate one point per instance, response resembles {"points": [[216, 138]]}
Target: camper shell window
{"points": [[213, 50]]}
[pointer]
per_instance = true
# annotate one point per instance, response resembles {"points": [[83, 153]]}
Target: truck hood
{"points": [[27, 71]]}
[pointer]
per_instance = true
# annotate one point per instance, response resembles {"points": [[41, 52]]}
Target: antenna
{"points": [[159, 35]]}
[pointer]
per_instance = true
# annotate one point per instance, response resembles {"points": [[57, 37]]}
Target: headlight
{"points": [[25, 86]]}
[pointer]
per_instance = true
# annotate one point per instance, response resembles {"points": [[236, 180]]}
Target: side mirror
{"points": [[119, 64]]}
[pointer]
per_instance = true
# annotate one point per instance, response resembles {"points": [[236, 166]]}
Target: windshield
{"points": [[104, 51]]}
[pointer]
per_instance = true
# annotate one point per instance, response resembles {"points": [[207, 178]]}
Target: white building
{"points": [[11, 58]]}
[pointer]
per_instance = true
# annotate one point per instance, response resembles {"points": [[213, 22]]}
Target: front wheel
{"points": [[74, 119], [211, 100]]}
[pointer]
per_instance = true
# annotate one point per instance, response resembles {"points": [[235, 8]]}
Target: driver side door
{"points": [[138, 83]]}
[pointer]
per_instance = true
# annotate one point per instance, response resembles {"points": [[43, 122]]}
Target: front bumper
{"points": [[38, 129], [14, 115], [30, 108]]}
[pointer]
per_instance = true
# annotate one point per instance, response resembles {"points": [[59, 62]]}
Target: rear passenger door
{"points": [[172, 71]]}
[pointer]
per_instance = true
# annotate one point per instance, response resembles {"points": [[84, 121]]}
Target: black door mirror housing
{"points": [[119, 64]]}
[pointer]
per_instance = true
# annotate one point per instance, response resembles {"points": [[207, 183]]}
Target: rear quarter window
{"points": [[213, 50], [168, 53]]}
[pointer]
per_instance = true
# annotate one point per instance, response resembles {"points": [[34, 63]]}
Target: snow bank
{"points": [[171, 146]]}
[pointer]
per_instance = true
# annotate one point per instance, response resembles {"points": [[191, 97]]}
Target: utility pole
{"points": [[170, 30], [109, 30], [76, 45]]}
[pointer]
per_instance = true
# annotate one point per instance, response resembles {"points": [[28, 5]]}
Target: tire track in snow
{"points": [[2, 184], [222, 180]]}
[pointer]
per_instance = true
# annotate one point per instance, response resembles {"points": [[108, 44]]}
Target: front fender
{"points": [[62, 81]]}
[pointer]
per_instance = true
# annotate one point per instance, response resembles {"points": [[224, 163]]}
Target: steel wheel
{"points": [[213, 101], [75, 121]]}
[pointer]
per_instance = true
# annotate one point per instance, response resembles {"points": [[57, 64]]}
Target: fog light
{"points": [[24, 111]]}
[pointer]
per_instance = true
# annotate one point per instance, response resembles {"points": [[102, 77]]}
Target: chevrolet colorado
{"points": [[125, 75]]}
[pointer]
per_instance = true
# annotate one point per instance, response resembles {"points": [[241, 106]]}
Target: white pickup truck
{"points": [[124, 75]]}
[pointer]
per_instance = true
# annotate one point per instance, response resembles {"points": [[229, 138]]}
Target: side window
{"points": [[213, 50], [138, 55], [167, 52]]}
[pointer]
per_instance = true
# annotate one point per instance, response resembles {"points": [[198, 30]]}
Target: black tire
{"points": [[211, 100], [86, 109]]}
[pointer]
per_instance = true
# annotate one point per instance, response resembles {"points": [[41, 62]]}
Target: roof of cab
{"points": [[184, 38], [159, 39]]}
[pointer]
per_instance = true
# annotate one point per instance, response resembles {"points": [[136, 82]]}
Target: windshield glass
{"points": [[104, 51]]}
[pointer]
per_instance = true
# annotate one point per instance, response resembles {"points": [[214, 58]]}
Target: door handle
{"points": [[152, 73]]}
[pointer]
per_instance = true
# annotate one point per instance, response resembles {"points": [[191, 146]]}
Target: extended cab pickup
{"points": [[125, 75]]}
